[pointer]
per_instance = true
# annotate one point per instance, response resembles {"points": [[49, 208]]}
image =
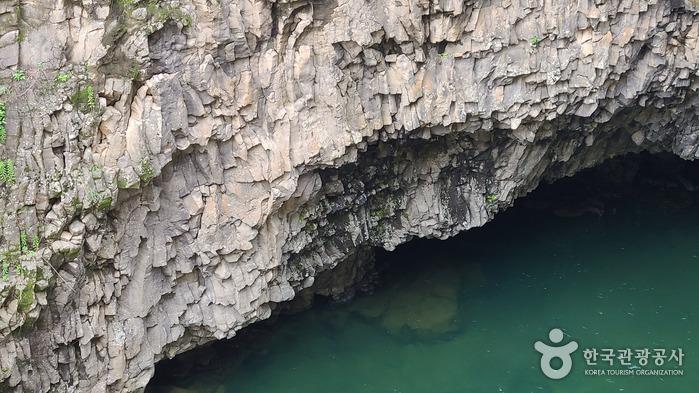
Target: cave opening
{"points": [[609, 256]]}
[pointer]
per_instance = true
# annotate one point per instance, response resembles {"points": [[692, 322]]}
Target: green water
{"points": [[462, 315]]}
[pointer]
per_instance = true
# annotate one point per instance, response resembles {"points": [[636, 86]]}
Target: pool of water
{"points": [[462, 315]]}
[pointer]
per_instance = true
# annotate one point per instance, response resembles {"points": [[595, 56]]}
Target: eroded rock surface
{"points": [[174, 170]]}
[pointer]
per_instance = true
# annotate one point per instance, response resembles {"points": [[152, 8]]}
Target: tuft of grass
{"points": [[36, 241], [134, 72], [491, 199], [23, 242], [3, 123], [19, 75], [7, 171], [534, 40], [90, 93], [63, 77]]}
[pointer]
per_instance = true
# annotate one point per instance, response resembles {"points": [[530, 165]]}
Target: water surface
{"points": [[462, 315]]}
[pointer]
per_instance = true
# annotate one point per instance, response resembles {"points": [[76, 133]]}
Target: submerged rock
{"points": [[429, 308]]}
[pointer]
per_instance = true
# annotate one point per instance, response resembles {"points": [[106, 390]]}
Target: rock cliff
{"points": [[171, 171]]}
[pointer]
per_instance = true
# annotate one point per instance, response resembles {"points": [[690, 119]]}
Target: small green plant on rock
{"points": [[491, 199], [23, 242], [84, 99], [444, 55], [19, 75], [26, 247], [104, 204], [134, 72], [95, 170], [19, 269], [63, 77], [7, 171], [36, 241], [534, 40]]}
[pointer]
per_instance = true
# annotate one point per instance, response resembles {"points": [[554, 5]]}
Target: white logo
{"points": [[548, 353]]}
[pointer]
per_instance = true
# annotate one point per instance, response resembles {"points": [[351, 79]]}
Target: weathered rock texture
{"points": [[180, 168]]}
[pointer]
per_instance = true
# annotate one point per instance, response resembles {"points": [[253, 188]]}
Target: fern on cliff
{"points": [[84, 99], [7, 171]]}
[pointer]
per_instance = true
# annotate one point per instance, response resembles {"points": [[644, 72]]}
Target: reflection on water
{"points": [[462, 315]]}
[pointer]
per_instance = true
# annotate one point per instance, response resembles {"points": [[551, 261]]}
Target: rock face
{"points": [[173, 170]]}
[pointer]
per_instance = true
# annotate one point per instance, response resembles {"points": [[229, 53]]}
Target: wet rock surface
{"points": [[173, 171]]}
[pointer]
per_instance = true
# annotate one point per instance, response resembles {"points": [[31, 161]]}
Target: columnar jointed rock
{"points": [[180, 168]]}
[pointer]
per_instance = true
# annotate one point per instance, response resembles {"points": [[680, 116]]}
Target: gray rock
{"points": [[218, 160]]}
